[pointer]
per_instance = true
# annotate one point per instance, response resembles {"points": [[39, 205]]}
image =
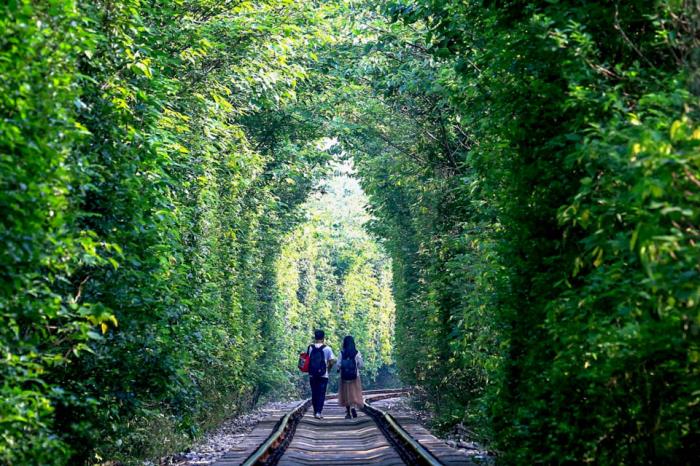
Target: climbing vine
{"points": [[332, 275]]}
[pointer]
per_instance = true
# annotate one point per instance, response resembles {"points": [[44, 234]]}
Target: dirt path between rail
{"points": [[234, 431]]}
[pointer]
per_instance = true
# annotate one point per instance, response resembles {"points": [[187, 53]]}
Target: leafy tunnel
{"points": [[500, 199]]}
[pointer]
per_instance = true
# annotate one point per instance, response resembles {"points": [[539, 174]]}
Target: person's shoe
{"points": [[317, 416], [347, 415], [320, 416], [354, 413]]}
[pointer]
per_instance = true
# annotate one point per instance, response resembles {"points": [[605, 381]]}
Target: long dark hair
{"points": [[349, 350]]}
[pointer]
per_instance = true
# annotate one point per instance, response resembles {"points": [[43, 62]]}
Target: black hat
{"points": [[319, 335]]}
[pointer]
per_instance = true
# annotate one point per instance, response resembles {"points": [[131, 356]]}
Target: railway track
{"points": [[375, 437]]}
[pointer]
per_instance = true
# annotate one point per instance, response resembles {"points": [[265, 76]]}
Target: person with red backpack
{"points": [[318, 359]]}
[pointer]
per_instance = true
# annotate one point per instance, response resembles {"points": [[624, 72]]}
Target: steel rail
{"points": [[421, 454], [261, 455]]}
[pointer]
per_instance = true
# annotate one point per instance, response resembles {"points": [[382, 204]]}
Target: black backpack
{"points": [[348, 368], [317, 362]]}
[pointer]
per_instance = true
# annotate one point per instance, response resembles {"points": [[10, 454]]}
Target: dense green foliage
{"points": [[532, 170], [149, 166], [538, 191]]}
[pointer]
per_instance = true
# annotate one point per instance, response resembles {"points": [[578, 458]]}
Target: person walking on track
{"points": [[321, 359], [350, 391]]}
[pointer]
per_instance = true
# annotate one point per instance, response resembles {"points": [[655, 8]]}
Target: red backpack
{"points": [[304, 360]]}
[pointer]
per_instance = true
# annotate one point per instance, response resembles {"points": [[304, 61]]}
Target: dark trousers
{"points": [[318, 392]]}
